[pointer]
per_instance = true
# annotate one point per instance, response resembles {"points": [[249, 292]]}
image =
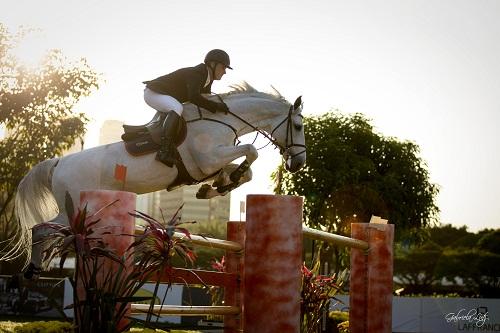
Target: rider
{"points": [[166, 93]]}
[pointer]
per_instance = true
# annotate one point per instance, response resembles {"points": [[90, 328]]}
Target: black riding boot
{"points": [[167, 151]]}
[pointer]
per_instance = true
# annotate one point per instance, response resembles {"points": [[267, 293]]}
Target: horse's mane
{"points": [[245, 88]]}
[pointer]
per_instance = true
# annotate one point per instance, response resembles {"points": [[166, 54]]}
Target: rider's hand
{"points": [[222, 107]]}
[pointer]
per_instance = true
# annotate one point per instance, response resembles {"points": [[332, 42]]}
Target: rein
{"points": [[288, 119]]}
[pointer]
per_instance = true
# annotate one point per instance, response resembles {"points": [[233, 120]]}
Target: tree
{"points": [[490, 241], [415, 268], [448, 235], [352, 173], [475, 270], [36, 113], [469, 263]]}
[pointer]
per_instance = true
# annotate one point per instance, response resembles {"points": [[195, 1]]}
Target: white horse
{"points": [[207, 152]]}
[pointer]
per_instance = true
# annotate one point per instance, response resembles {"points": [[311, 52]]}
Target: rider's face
{"points": [[219, 71]]}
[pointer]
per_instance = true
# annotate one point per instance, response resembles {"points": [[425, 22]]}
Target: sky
{"points": [[422, 70]]}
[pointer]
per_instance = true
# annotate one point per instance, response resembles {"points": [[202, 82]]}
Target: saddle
{"points": [[145, 139]]}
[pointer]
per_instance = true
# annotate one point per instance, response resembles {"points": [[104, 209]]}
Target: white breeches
{"points": [[162, 103]]}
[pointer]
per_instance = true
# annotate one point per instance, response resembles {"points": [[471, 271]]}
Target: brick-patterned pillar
{"points": [[233, 296], [370, 300], [116, 221], [273, 257]]}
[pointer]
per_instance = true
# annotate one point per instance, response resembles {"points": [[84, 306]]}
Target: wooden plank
{"points": [[198, 276], [182, 310]]}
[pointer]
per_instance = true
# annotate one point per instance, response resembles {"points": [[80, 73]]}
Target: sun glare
{"points": [[31, 49]]}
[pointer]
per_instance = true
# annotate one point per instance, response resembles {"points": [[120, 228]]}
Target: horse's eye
{"points": [[298, 127]]}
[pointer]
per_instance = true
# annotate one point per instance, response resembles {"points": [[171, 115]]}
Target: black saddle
{"points": [[145, 139]]}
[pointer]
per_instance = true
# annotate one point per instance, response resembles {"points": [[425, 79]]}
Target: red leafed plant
{"points": [[156, 247], [105, 302], [317, 291], [219, 266], [216, 292]]}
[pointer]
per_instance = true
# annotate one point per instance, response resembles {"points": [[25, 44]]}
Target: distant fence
{"points": [[440, 314]]}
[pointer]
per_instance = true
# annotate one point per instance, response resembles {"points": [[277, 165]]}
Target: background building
{"points": [[212, 210], [111, 131]]}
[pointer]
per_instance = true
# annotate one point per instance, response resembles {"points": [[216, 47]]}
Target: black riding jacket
{"points": [[185, 85]]}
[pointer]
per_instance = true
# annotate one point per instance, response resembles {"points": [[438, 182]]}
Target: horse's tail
{"points": [[34, 204]]}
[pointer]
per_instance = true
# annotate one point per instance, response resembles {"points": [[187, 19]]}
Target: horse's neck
{"points": [[261, 113]]}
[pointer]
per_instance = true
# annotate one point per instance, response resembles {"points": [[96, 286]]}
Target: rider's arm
{"points": [[197, 98], [194, 89]]}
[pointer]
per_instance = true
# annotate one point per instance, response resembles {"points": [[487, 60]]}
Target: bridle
{"points": [[289, 134]]}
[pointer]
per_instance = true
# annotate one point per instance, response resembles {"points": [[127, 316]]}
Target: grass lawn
{"points": [[25, 325]]}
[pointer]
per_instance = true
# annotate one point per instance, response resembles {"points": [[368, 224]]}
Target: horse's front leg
{"points": [[222, 184], [221, 158]]}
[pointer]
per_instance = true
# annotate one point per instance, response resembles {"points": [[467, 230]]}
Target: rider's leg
{"points": [[169, 105], [167, 151]]}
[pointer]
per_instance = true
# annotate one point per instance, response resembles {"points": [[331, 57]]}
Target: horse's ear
{"points": [[298, 103]]}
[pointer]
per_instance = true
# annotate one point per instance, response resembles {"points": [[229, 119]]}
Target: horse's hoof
{"points": [[235, 176], [32, 272], [203, 191], [223, 190], [240, 170]]}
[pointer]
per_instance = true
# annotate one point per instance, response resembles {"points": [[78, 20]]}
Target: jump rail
{"points": [[182, 310], [206, 241], [334, 239], [307, 232]]}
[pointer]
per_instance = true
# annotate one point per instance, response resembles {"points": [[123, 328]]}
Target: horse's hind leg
{"points": [[40, 233]]}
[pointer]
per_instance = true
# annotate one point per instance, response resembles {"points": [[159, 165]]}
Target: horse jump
{"points": [[264, 256]]}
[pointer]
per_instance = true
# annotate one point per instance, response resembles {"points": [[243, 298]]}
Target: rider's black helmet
{"points": [[219, 56]]}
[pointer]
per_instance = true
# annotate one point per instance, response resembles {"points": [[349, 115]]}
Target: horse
{"points": [[210, 146]]}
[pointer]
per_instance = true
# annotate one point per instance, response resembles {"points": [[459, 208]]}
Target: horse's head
{"points": [[272, 116], [289, 137]]}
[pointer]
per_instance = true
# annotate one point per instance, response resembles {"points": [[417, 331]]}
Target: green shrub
{"points": [[44, 327], [338, 316], [62, 327], [339, 321], [343, 327]]}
